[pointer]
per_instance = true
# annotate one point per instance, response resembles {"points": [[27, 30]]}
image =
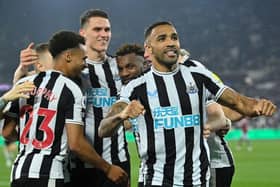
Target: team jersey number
{"points": [[44, 126]]}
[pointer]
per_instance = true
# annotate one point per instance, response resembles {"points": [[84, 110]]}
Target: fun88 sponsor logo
{"points": [[168, 118], [134, 124], [99, 97]]}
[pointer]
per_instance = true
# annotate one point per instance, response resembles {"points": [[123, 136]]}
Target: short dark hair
{"points": [[41, 47], [64, 40], [92, 13], [154, 25], [130, 48]]}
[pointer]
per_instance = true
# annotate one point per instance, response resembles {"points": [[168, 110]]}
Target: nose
{"points": [[124, 73], [104, 33]]}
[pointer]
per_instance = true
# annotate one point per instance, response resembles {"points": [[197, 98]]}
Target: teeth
{"points": [[170, 53]]}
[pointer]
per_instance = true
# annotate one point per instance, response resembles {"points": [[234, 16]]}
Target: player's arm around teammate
{"points": [[119, 112], [18, 91]]}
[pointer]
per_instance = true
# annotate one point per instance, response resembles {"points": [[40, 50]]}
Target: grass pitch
{"points": [[257, 168]]}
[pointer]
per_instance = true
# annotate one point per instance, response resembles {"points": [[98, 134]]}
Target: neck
{"points": [[164, 68], [96, 55], [60, 66]]}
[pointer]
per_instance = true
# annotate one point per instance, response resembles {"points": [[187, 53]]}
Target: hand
{"points": [[132, 110], [117, 174], [264, 107], [222, 132], [207, 130], [19, 91], [28, 57]]}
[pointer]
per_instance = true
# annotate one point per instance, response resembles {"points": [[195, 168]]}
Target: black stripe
{"points": [[110, 79], [207, 82], [126, 147], [169, 135], [27, 162], [200, 81], [114, 148], [98, 114], [186, 108], [189, 63], [142, 91], [15, 165], [113, 92], [229, 156], [64, 110]]}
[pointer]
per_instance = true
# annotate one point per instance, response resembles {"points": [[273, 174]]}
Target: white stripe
{"points": [[121, 142], [158, 135], [51, 183]]}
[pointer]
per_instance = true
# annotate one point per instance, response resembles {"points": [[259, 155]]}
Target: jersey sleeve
{"points": [[75, 107], [211, 81]]}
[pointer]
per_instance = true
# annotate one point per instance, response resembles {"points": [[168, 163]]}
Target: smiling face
{"points": [[97, 32], [163, 45], [130, 66], [77, 61]]}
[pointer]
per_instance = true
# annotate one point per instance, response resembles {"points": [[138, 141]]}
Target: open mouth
{"points": [[171, 53]]}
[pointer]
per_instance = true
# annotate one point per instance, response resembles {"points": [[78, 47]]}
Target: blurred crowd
{"points": [[236, 39]]}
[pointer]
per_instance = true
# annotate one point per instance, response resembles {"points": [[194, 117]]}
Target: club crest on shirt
{"points": [[191, 88]]}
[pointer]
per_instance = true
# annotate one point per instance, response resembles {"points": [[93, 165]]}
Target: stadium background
{"points": [[237, 39]]}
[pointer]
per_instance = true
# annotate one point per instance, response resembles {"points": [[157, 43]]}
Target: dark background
{"points": [[237, 39]]}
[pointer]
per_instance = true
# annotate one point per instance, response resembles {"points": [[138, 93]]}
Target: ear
{"points": [[39, 67], [82, 32], [149, 48], [68, 57]]}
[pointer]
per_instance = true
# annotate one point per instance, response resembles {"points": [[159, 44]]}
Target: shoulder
{"points": [[110, 59], [71, 86], [28, 78], [193, 63]]}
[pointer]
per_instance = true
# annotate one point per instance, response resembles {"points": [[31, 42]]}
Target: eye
{"points": [[108, 29], [96, 29], [174, 37], [130, 66], [161, 39]]}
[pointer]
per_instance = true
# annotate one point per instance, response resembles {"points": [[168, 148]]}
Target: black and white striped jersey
{"points": [[55, 101], [220, 153], [101, 84], [170, 138]]}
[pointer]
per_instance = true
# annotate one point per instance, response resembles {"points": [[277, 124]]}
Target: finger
{"points": [[31, 45], [24, 96], [272, 109], [267, 108], [29, 58], [26, 84], [28, 89]]}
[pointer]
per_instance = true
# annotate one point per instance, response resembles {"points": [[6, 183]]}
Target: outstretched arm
{"points": [[119, 112], [18, 91], [247, 106], [232, 114]]}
